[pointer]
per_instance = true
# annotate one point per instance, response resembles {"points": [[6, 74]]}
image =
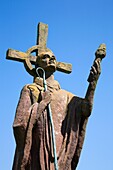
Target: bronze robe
{"points": [[33, 136]]}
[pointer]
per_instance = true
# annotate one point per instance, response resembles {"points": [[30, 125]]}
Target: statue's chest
{"points": [[59, 110], [59, 105]]}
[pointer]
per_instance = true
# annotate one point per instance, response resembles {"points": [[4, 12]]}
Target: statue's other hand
{"points": [[46, 99]]}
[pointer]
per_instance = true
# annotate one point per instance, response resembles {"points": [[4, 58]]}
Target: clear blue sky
{"points": [[76, 29]]}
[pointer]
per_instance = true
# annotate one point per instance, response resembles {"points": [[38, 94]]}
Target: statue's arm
{"points": [[89, 97], [93, 79], [21, 117]]}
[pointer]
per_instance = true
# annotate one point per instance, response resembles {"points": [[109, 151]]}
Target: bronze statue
{"points": [[32, 130]]}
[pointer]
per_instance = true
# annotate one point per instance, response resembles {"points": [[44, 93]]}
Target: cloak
{"points": [[32, 130]]}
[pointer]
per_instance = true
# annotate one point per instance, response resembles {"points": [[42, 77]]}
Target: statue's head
{"points": [[46, 60]]}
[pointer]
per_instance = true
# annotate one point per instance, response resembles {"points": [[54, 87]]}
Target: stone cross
{"points": [[30, 60]]}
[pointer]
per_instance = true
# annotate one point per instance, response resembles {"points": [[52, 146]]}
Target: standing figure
{"points": [[69, 113]]}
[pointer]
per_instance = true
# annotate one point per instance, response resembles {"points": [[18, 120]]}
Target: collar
{"points": [[51, 84]]}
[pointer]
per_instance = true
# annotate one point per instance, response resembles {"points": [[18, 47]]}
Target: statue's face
{"points": [[47, 61]]}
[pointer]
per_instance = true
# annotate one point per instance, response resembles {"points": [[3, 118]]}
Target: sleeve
{"points": [[22, 115], [82, 105], [86, 108]]}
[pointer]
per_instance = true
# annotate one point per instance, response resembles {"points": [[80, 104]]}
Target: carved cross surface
{"points": [[30, 60]]}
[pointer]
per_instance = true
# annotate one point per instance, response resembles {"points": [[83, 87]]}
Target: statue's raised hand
{"points": [[95, 70], [96, 67]]}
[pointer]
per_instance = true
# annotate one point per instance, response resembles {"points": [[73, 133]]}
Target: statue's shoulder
{"points": [[34, 87], [31, 87], [69, 94], [72, 97]]}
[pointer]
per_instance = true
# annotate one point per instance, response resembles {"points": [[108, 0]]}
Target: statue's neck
{"points": [[51, 83], [48, 75], [50, 78]]}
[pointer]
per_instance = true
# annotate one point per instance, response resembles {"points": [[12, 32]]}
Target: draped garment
{"points": [[33, 133]]}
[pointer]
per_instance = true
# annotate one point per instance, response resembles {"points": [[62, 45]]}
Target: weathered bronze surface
{"points": [[70, 113]]}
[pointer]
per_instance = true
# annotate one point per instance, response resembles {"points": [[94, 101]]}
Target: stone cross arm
{"points": [[28, 59], [19, 56], [22, 56]]}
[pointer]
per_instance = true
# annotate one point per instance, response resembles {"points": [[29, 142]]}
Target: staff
{"points": [[50, 119]]}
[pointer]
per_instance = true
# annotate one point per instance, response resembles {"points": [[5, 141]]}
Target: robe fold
{"points": [[33, 133]]}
